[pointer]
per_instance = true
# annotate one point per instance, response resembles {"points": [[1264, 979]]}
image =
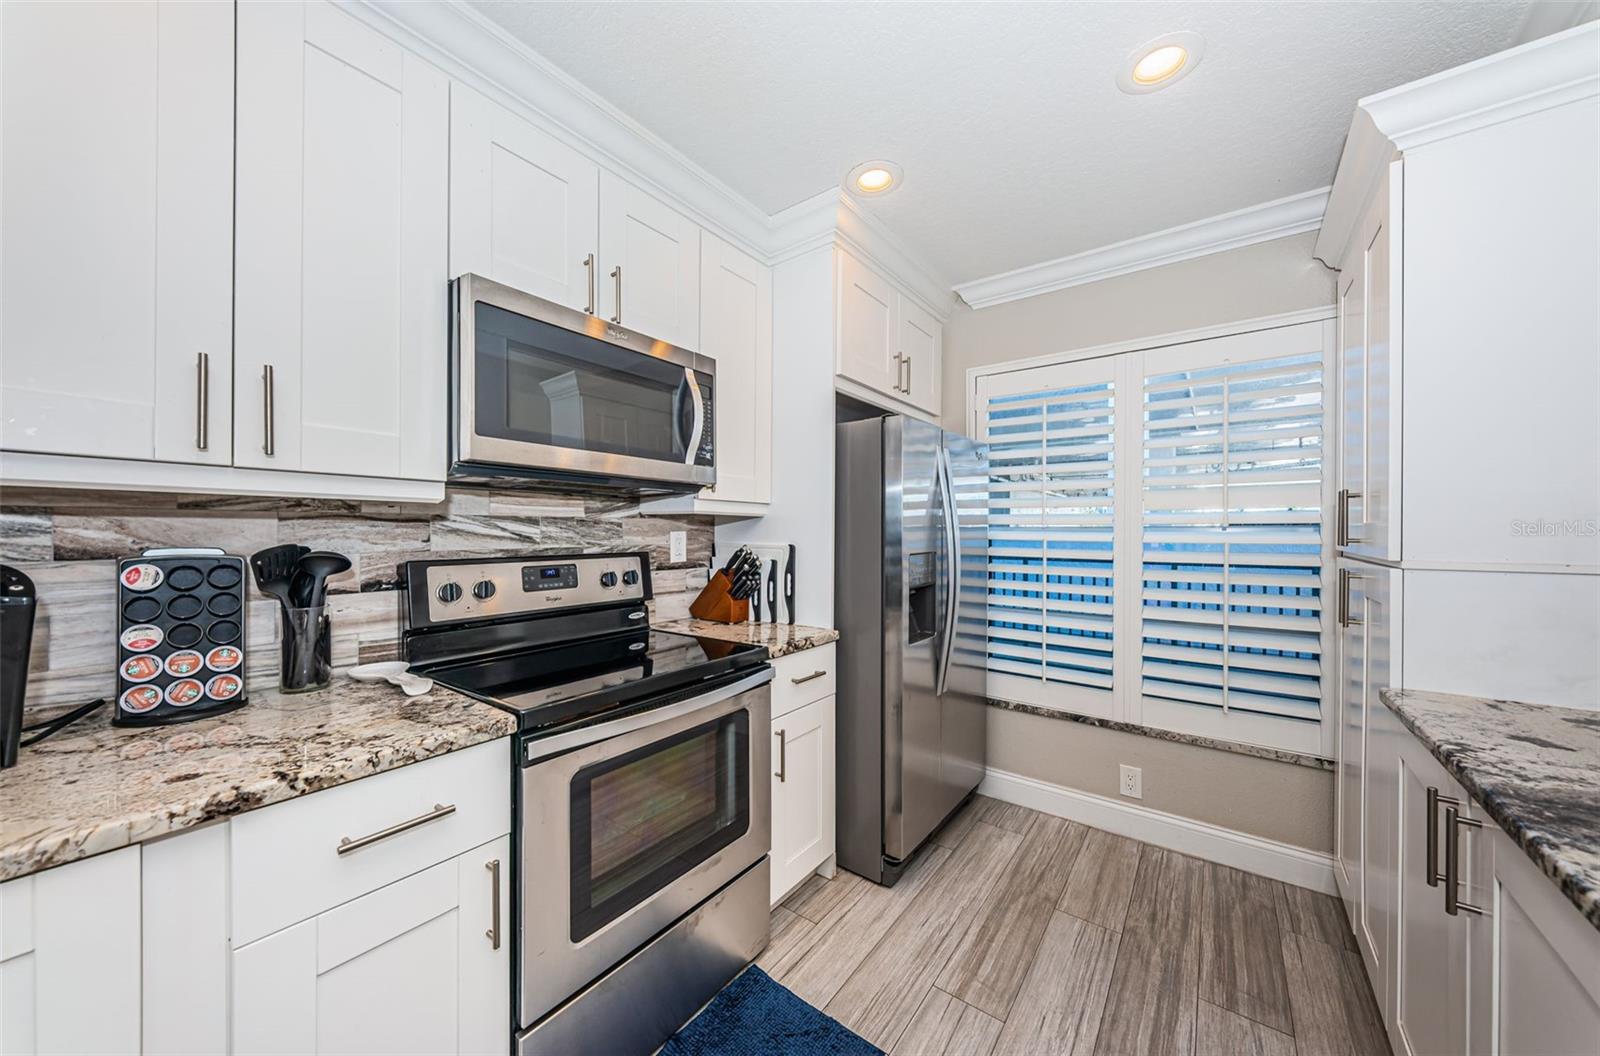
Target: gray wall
{"points": [[1279, 801]]}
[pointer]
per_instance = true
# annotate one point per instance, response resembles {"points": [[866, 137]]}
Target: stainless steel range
{"points": [[642, 799]]}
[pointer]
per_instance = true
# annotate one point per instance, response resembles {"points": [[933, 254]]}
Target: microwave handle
{"points": [[697, 430]]}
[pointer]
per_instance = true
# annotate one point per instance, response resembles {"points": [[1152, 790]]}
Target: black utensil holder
{"points": [[306, 649]]}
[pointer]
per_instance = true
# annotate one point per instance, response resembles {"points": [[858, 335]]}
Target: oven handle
{"points": [[565, 742]]}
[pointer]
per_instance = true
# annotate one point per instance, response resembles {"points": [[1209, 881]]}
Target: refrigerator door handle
{"points": [[952, 542]]}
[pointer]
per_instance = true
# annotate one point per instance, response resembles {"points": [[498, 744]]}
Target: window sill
{"points": [[1281, 755]]}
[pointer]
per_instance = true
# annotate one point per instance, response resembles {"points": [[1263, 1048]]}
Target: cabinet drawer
{"points": [[802, 677], [287, 864]]}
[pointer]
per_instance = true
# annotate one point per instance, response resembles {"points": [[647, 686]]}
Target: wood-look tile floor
{"points": [[1021, 933]]}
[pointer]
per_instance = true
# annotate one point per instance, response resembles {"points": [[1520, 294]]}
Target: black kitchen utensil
{"points": [[274, 569], [772, 591], [788, 585], [309, 587], [17, 603]]}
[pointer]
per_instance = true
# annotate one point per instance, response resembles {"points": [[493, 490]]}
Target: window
{"points": [[1192, 475]]}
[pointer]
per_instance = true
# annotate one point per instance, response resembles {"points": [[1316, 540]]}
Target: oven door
{"points": [[542, 389], [630, 824]]}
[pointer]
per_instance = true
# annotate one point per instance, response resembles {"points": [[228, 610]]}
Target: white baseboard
{"points": [[1269, 858]]}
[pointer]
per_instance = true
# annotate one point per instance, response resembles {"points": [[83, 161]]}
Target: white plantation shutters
{"points": [[1052, 445], [1192, 475], [1231, 540]]}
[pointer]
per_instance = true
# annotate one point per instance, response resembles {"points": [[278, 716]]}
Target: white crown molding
{"points": [[1545, 17], [1280, 218], [1239, 850], [472, 49], [1550, 71]]}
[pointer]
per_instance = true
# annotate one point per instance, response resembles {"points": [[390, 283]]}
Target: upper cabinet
{"points": [[650, 265], [886, 342], [116, 217], [524, 207], [736, 330], [341, 313]]}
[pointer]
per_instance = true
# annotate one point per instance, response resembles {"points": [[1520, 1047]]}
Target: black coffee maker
{"points": [[17, 603]]}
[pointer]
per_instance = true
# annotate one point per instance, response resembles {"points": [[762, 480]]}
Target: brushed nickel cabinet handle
{"points": [[803, 679], [588, 263], [493, 934], [1342, 519], [346, 845], [907, 361], [269, 434], [1429, 873], [899, 371], [616, 273], [202, 401], [783, 756], [1345, 578], [1453, 824]]}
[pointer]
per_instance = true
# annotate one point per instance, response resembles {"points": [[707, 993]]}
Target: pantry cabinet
{"points": [[885, 342], [803, 822], [524, 207], [116, 230], [418, 966], [649, 265], [341, 219], [69, 947]]}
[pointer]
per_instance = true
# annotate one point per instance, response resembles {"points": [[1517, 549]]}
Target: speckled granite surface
{"points": [[94, 787], [781, 639], [1534, 769], [1316, 762]]}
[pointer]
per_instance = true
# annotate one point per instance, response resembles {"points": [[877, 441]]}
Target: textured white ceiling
{"points": [[1017, 145]]}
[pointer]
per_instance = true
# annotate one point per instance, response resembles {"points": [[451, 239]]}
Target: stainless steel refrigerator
{"points": [[910, 603]]}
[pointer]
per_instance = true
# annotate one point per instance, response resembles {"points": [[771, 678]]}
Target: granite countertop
{"points": [[781, 639], [1534, 769], [94, 787]]}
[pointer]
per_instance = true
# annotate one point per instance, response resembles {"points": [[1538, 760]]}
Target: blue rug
{"points": [[754, 1016]]}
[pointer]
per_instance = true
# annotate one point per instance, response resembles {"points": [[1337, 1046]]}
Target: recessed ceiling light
{"points": [[873, 178], [1157, 63]]}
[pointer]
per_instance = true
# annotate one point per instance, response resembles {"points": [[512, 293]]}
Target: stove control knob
{"points": [[483, 590], [449, 592], [608, 579], [630, 577]]}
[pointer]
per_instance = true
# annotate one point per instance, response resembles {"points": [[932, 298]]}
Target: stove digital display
{"points": [[549, 577]]}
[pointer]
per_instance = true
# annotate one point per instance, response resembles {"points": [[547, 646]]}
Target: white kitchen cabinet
{"points": [[736, 330], [1369, 377], [524, 207], [803, 766], [184, 951], [69, 958], [649, 271], [885, 341], [421, 965], [341, 225], [116, 230]]}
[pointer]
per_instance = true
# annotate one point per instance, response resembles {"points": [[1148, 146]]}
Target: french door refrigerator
{"points": [[910, 603]]}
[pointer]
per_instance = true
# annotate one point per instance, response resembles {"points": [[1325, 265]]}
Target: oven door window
{"points": [[643, 819], [541, 384]]}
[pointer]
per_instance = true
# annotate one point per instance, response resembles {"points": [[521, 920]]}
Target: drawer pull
{"points": [[803, 679], [347, 845], [1453, 824], [782, 773], [493, 933]]}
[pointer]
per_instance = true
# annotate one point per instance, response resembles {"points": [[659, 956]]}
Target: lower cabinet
{"points": [[69, 958], [419, 966], [802, 768]]}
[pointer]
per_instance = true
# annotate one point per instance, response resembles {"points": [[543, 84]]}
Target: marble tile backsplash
{"points": [[69, 543]]}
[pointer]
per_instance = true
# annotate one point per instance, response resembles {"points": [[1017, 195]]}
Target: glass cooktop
{"points": [[560, 685]]}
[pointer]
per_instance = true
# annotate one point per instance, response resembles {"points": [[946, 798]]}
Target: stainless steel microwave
{"points": [[542, 391]]}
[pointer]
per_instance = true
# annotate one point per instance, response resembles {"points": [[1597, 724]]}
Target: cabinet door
{"points": [[1352, 397], [868, 339], [736, 329], [1352, 730], [69, 958], [802, 793], [116, 221], [1432, 983], [341, 257], [524, 207], [1378, 530], [650, 265], [921, 338], [1374, 589], [408, 968]]}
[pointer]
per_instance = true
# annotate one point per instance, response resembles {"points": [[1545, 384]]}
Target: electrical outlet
{"points": [[678, 544], [1132, 781]]}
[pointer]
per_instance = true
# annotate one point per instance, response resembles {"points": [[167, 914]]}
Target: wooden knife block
{"points": [[716, 604]]}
